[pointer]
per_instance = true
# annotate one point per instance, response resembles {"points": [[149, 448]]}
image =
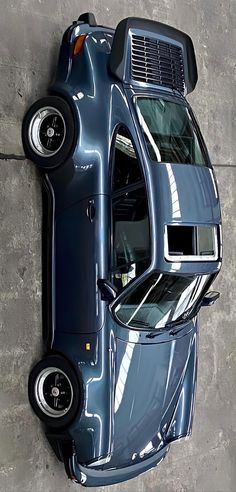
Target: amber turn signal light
{"points": [[79, 42]]}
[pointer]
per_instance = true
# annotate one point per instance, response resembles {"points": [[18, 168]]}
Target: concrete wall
{"points": [[30, 35]]}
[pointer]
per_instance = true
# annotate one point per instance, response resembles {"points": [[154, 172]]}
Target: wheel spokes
{"points": [[47, 131], [54, 393]]}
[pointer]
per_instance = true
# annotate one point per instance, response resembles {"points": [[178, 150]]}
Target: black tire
{"points": [[44, 407], [48, 151]]}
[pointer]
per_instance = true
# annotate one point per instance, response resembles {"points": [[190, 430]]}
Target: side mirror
{"points": [[108, 290], [210, 298]]}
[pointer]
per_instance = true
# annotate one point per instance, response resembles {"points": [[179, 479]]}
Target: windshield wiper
{"points": [[156, 334], [167, 327]]}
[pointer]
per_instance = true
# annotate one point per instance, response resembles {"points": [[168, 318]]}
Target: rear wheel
{"points": [[54, 391], [48, 132]]}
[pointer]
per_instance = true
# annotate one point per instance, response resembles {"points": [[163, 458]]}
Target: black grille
{"points": [[157, 62]]}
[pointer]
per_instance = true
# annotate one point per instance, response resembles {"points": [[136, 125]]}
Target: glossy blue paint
{"points": [[138, 397], [87, 266], [137, 392]]}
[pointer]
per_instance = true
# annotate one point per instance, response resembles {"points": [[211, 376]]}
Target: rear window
{"points": [[170, 132]]}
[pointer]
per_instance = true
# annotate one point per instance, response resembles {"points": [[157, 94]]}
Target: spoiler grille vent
{"points": [[157, 62]]}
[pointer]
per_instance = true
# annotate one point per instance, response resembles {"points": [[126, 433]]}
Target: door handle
{"points": [[91, 210]]}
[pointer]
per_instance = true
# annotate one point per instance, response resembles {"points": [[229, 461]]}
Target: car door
{"points": [[80, 243]]}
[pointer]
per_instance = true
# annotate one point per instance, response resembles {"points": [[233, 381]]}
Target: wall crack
{"points": [[9, 157]]}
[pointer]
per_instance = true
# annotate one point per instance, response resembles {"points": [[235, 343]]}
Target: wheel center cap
{"points": [[50, 132], [55, 392]]}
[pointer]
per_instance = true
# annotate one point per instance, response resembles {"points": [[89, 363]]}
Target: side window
{"points": [[131, 241], [126, 167], [130, 220]]}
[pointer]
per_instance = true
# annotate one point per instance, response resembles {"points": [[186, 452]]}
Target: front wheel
{"points": [[54, 392], [48, 132]]}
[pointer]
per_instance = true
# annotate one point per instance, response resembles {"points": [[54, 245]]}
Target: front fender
{"points": [[182, 418]]}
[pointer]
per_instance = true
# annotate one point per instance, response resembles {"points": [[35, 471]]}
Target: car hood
{"points": [[148, 388]]}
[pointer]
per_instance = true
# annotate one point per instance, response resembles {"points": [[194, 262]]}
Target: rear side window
{"points": [[131, 242], [126, 169], [170, 132]]}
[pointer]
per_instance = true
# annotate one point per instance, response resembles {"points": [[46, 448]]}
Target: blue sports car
{"points": [[131, 245]]}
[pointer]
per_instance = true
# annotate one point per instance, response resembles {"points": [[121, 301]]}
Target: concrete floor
{"points": [[30, 35]]}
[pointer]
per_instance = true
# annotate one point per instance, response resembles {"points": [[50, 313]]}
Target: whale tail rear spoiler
{"points": [[145, 52]]}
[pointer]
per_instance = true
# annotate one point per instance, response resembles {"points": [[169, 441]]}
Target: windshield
{"points": [[162, 299], [169, 132]]}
